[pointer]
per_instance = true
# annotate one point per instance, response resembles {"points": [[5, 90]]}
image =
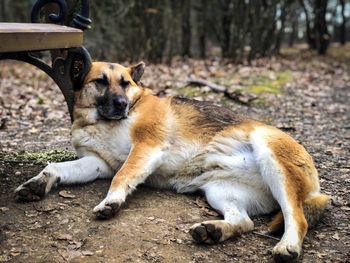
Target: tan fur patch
{"points": [[113, 73], [299, 172], [150, 126]]}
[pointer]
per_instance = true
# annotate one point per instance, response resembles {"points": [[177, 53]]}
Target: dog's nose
{"points": [[120, 102]]}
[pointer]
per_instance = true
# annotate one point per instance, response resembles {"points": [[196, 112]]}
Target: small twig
{"points": [[139, 209], [19, 208], [325, 224], [60, 253], [151, 241], [266, 235], [202, 82], [241, 98], [236, 95]]}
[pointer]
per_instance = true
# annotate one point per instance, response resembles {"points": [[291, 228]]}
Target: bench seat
{"points": [[15, 37]]}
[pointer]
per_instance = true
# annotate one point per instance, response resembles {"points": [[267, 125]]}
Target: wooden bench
{"points": [[70, 61], [15, 37]]}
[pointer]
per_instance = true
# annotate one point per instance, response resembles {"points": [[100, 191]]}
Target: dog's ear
{"points": [[137, 70]]}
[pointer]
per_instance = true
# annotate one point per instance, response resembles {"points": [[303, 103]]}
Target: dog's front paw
{"points": [[110, 205], [106, 210], [35, 188], [284, 252]]}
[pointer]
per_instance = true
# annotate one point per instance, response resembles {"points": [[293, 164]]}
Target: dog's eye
{"points": [[102, 81], [124, 83]]}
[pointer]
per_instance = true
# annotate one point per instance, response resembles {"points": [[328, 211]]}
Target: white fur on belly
{"points": [[231, 167]]}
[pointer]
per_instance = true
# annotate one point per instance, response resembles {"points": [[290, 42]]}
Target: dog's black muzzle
{"points": [[112, 106]]}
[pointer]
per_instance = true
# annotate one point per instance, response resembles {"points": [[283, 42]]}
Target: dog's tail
{"points": [[314, 207]]}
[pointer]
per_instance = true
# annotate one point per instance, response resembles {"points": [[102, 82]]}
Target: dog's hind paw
{"points": [[206, 233]]}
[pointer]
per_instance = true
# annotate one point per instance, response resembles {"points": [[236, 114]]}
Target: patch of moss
{"points": [[284, 76], [40, 100], [260, 102], [265, 88], [339, 52], [191, 91], [264, 84], [40, 157]]}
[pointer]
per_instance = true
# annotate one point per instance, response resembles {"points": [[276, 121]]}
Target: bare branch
{"points": [[265, 235], [203, 82]]}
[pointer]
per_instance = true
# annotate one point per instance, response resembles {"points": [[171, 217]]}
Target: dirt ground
{"points": [[305, 95]]}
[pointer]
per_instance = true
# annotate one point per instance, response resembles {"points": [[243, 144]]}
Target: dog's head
{"points": [[111, 88]]}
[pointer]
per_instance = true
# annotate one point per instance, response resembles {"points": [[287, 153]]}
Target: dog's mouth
{"points": [[111, 114]]}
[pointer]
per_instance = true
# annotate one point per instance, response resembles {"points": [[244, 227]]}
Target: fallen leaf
{"points": [[64, 237], [206, 209], [69, 254], [75, 244], [44, 208], [87, 253], [15, 254], [4, 209], [179, 241], [66, 194], [345, 208], [336, 236]]}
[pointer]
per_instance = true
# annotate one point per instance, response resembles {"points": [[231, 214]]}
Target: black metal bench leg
{"points": [[67, 70], [69, 66]]}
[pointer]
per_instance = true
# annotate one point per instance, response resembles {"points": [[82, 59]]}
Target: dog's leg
{"points": [[82, 170], [221, 196], [142, 161], [287, 184]]}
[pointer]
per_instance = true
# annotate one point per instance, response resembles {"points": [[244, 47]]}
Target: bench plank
{"points": [[16, 37]]}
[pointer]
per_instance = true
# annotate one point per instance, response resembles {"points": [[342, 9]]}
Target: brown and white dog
{"points": [[244, 167]]}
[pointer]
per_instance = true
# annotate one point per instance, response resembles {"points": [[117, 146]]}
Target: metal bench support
{"points": [[68, 65]]}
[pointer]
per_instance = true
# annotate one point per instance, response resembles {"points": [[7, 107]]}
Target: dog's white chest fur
{"points": [[111, 141]]}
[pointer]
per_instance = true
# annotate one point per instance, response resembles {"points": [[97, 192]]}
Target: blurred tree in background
{"points": [[158, 30]]}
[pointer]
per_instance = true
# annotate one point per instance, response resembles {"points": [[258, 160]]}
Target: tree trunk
{"points": [[310, 37], [239, 31], [186, 28], [226, 20], [343, 24], [3, 10], [320, 26], [293, 34], [281, 30], [201, 22]]}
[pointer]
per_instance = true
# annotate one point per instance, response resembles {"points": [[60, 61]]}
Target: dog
{"points": [[243, 167]]}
